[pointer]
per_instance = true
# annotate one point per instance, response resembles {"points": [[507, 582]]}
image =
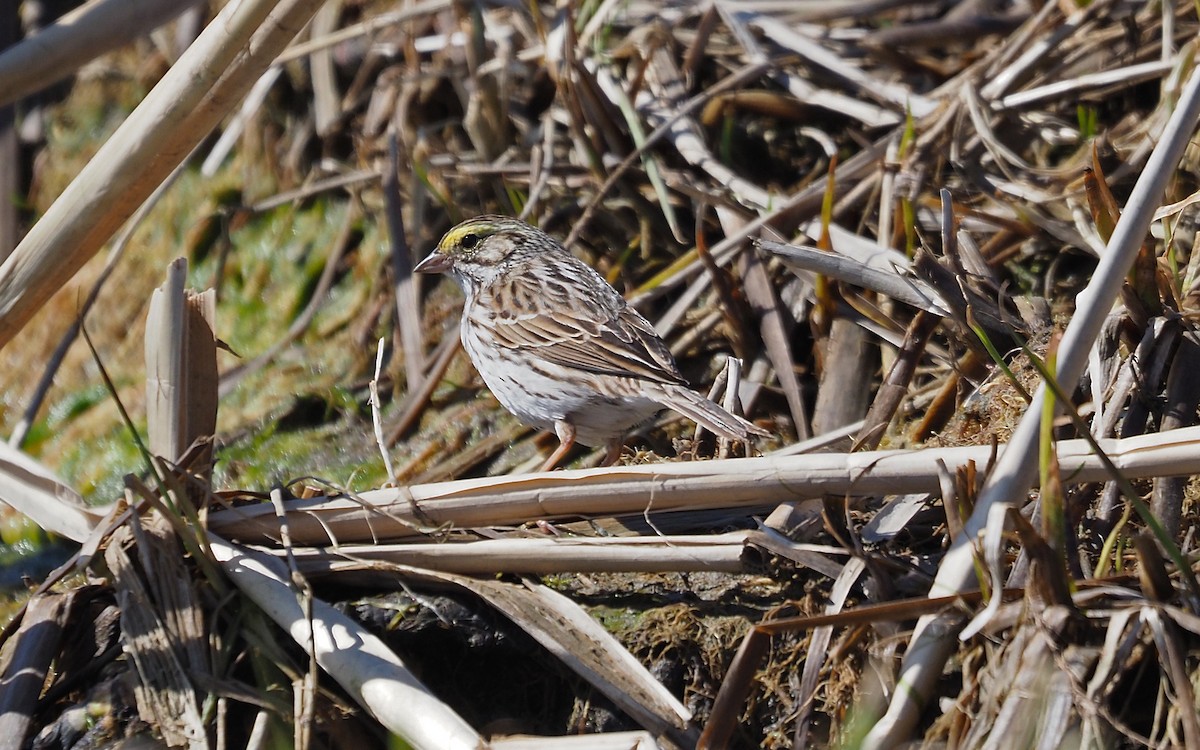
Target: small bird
{"points": [[557, 345]]}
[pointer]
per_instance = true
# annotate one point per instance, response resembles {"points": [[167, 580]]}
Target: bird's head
{"points": [[479, 249]]}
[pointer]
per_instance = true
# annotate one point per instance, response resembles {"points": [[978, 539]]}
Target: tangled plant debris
{"points": [[945, 253]]}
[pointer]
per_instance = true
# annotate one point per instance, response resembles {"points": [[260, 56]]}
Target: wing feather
{"points": [[603, 335]]}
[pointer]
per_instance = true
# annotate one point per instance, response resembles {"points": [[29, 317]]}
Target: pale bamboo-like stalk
{"points": [[207, 82], [539, 555], [54, 505], [733, 483], [181, 365], [606, 741], [83, 34], [361, 663], [32, 489]]}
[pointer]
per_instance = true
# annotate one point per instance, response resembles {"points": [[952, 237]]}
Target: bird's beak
{"points": [[436, 262]]}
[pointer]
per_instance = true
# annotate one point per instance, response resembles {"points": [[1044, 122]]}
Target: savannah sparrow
{"points": [[557, 345]]}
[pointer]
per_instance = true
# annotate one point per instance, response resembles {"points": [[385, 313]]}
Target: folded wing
{"points": [[601, 334]]}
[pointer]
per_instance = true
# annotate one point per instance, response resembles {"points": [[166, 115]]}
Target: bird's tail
{"points": [[699, 409]]}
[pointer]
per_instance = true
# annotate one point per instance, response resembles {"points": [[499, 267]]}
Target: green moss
{"points": [[96, 467], [617, 620], [339, 454]]}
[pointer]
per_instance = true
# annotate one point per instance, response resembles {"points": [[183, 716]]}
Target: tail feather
{"points": [[704, 412]]}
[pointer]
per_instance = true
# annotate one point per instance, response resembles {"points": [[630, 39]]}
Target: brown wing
{"points": [[580, 322]]}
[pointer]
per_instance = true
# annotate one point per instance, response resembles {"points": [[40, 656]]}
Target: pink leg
{"points": [[614, 452], [566, 441]]}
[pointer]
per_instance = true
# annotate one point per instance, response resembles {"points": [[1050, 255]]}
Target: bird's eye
{"points": [[469, 241]]}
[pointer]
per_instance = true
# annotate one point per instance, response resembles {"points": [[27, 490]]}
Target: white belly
{"points": [[541, 401]]}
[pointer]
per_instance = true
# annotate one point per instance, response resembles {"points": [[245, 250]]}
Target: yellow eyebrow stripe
{"points": [[455, 235]]}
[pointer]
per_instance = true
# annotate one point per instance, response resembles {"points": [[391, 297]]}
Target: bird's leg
{"points": [[566, 441], [614, 451]]}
